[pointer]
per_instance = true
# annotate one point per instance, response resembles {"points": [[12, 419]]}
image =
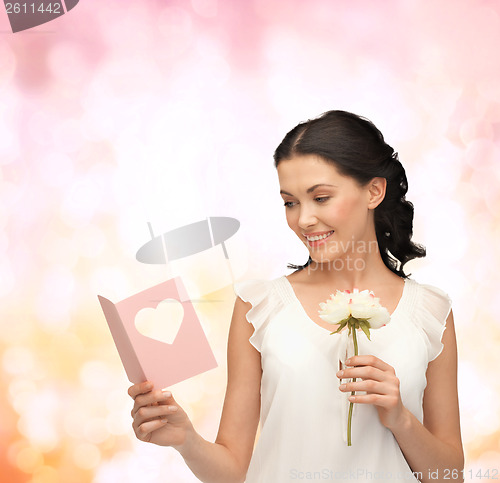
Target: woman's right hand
{"points": [[157, 417]]}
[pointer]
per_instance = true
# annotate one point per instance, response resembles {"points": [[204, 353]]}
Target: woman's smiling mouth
{"points": [[317, 239]]}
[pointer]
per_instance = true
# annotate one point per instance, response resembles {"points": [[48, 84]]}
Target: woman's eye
{"points": [[288, 204], [322, 199]]}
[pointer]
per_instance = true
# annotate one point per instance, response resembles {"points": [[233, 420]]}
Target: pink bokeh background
{"points": [[121, 113]]}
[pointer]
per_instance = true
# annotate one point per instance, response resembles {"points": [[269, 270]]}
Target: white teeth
{"points": [[320, 237]]}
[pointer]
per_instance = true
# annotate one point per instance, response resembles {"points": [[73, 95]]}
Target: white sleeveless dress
{"points": [[303, 412]]}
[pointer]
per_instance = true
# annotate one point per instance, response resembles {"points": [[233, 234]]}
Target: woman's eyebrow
{"points": [[309, 190]]}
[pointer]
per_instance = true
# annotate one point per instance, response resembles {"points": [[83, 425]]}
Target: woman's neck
{"points": [[351, 270]]}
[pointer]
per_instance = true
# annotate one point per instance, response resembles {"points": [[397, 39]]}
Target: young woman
{"points": [[344, 193]]}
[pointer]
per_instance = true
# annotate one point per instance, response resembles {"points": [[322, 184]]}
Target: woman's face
{"points": [[320, 201]]}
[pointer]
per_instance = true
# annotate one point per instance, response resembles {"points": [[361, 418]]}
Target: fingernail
{"points": [[166, 393], [342, 387], [348, 361], [340, 373], [172, 408]]}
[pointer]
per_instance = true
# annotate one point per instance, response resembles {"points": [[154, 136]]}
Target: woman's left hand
{"points": [[379, 381]]}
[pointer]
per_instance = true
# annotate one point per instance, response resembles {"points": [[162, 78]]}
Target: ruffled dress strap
{"points": [[433, 306], [266, 304]]}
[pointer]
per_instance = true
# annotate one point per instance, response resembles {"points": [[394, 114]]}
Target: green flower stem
{"points": [[349, 419]]}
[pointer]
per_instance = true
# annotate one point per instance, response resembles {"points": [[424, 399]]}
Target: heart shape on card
{"points": [[163, 323]]}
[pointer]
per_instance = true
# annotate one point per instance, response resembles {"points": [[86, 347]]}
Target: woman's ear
{"points": [[376, 192]]}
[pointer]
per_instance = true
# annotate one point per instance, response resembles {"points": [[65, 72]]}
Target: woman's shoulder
{"points": [[429, 311], [264, 296], [299, 276], [259, 289], [428, 291]]}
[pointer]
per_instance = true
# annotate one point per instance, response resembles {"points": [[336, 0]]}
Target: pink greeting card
{"points": [[158, 335]]}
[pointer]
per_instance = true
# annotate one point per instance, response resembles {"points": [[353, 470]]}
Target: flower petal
{"points": [[335, 313], [361, 310], [379, 318]]}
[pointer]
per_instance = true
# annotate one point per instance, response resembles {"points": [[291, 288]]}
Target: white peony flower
{"points": [[362, 306], [357, 310]]}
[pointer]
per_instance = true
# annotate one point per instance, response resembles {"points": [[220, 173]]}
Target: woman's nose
{"points": [[307, 217]]}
